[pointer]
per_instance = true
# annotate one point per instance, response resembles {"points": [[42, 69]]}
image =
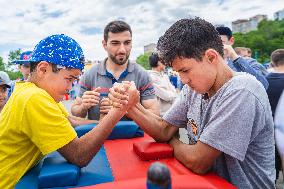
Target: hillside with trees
{"points": [[268, 37]]}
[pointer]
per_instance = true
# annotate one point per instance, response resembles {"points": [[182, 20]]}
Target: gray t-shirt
{"points": [[98, 76], [236, 120]]}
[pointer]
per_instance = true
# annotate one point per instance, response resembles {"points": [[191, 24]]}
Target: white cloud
{"points": [[25, 22]]}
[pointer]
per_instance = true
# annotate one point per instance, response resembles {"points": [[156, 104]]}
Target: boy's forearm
{"points": [[79, 110], [92, 141], [77, 121], [149, 122]]}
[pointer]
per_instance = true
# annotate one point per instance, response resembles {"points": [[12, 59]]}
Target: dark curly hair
{"points": [[189, 38]]}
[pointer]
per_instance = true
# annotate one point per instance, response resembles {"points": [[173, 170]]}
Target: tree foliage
{"points": [[268, 37], [8, 67], [2, 64], [143, 60], [13, 55]]}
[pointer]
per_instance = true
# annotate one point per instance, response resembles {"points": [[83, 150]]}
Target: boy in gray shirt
{"points": [[227, 114]]}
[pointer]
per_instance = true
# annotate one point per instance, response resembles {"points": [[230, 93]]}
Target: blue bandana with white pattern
{"points": [[61, 50]]}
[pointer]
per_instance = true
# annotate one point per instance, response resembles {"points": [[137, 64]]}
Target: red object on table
{"points": [[152, 150]]}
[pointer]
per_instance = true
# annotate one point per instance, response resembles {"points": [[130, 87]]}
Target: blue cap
{"points": [[24, 58], [60, 50]]}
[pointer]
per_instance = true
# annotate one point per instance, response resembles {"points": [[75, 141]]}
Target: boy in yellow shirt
{"points": [[34, 122]]}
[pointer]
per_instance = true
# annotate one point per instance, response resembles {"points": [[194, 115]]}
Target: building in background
{"points": [[149, 48], [247, 25], [279, 15]]}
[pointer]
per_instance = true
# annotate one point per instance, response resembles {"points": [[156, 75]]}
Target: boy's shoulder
{"points": [[26, 91]]}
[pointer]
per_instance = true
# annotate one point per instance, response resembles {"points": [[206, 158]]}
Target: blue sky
{"points": [[25, 22]]}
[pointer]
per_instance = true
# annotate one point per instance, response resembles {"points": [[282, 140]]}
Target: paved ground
{"points": [[279, 183], [184, 139]]}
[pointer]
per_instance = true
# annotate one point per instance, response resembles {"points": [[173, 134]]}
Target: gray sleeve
{"points": [[145, 85], [84, 84], [239, 117], [279, 114], [177, 114]]}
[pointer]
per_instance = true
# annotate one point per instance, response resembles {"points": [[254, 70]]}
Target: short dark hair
{"points": [[189, 38], [153, 60], [277, 57], [33, 66], [116, 26], [223, 30]]}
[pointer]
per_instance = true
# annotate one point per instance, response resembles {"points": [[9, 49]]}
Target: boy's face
{"points": [[57, 84], [118, 46], [198, 75], [25, 70], [3, 95]]}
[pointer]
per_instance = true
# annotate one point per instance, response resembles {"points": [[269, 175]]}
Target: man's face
{"points": [[198, 75], [244, 53], [226, 40], [60, 83], [118, 47], [3, 95], [161, 66]]}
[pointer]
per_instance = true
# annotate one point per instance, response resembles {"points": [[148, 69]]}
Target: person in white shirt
{"points": [[165, 91]]}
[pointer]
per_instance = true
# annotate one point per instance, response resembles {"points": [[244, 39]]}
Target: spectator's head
{"points": [[117, 41], [277, 58], [249, 52], [4, 85], [194, 49], [242, 51], [24, 63], [156, 63], [226, 35], [56, 62]]}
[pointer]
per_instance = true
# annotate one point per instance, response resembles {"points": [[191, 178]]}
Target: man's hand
{"points": [[105, 106], [90, 98], [230, 53]]}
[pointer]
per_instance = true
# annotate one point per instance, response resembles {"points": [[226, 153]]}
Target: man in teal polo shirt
{"points": [[95, 83]]}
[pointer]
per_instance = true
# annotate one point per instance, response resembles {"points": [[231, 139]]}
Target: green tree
{"points": [[13, 55], [2, 65], [268, 37], [14, 75], [143, 60]]}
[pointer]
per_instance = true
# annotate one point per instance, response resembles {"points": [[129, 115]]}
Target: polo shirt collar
{"points": [[102, 67]]}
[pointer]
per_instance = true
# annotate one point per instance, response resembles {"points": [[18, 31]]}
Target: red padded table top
{"points": [[130, 171]]}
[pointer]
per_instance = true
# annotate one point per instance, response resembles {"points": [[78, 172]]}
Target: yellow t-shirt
{"points": [[32, 125]]}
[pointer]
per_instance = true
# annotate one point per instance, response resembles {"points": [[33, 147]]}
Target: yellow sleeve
{"points": [[46, 123], [63, 109]]}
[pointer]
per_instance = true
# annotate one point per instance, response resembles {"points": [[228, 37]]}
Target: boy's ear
{"points": [[211, 55], [42, 68]]}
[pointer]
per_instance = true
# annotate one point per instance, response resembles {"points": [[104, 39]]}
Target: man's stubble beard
{"points": [[118, 62]]}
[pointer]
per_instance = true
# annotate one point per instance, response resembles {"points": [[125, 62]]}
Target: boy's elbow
{"points": [[199, 170], [161, 139], [81, 162], [195, 165]]}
